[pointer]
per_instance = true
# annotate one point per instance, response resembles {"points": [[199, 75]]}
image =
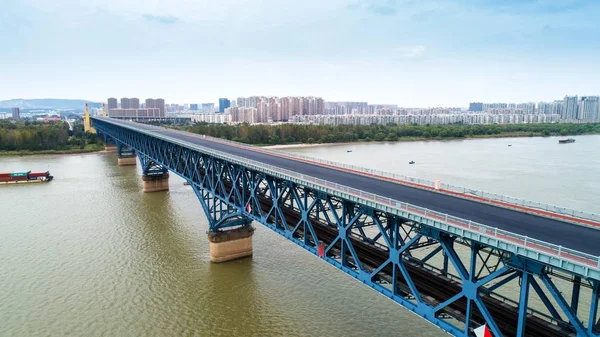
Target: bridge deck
{"points": [[549, 230]]}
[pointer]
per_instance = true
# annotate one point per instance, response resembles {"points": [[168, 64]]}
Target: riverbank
{"points": [[407, 139], [88, 149]]}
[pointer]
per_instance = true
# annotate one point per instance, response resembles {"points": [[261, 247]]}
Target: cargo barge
{"points": [[24, 177]]}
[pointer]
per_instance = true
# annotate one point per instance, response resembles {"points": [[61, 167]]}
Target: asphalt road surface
{"points": [[568, 235]]}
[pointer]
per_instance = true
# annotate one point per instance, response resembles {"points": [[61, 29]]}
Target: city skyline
{"points": [[409, 53]]}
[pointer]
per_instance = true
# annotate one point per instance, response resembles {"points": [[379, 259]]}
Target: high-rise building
{"points": [[588, 108], [528, 108], [16, 113], [557, 107], [224, 103], [134, 103], [149, 103], [125, 103], [194, 107], [135, 113], [210, 107], [569, 109], [112, 103], [158, 103]]}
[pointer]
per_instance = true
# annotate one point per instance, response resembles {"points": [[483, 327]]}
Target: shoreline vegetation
{"points": [[299, 135], [28, 138], [35, 138], [89, 148], [407, 139]]}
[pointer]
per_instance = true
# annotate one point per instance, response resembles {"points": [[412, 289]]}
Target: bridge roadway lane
{"points": [[568, 235]]}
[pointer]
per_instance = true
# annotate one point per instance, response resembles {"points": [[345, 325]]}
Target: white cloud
{"points": [[411, 53]]}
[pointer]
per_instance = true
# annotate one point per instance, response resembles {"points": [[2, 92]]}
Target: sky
{"points": [[407, 52]]}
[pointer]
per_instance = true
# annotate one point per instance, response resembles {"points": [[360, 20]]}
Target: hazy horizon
{"points": [[414, 54]]}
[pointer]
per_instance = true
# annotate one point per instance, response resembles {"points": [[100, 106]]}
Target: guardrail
{"points": [[503, 239], [523, 202], [432, 184]]}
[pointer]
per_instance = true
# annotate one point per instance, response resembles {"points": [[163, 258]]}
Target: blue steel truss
{"points": [[453, 282], [123, 150]]}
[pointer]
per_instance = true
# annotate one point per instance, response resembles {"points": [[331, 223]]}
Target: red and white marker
{"points": [[483, 331]]}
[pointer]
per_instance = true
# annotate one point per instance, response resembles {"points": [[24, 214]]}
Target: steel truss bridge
{"points": [[457, 260]]}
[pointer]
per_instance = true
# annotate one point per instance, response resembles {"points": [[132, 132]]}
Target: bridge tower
{"points": [[87, 122]]}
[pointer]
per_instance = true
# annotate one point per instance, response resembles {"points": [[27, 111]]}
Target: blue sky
{"points": [[409, 52]]}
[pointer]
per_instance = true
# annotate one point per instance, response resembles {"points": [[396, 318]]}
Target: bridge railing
{"points": [[552, 254], [429, 184], [523, 202]]}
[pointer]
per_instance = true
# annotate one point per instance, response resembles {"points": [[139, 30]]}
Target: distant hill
{"points": [[47, 103]]}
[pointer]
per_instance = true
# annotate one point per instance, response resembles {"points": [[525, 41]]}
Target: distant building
{"points": [[210, 107], [477, 106], [134, 103], [135, 113], [588, 109], [219, 118], [125, 103], [158, 103], [16, 113], [569, 109], [488, 106], [112, 103], [224, 103], [194, 107], [528, 108]]}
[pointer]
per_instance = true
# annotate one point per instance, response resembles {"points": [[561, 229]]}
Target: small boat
{"points": [[348, 150], [566, 141], [411, 162], [186, 183], [509, 144]]}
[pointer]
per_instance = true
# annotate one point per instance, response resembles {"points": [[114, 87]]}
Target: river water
{"points": [[89, 254]]}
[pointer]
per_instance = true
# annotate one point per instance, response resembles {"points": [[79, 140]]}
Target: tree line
{"points": [[300, 133], [39, 136]]}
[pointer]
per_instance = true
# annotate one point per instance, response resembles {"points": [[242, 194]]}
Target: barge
{"points": [[25, 177]]}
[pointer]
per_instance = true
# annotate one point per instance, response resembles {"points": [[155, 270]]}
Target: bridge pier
{"points": [[155, 177], [127, 160], [155, 182], [109, 144], [126, 155], [230, 244]]}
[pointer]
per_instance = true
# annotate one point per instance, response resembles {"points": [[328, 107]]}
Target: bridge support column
{"points": [[155, 177], [126, 155], [109, 144], [230, 230], [155, 182], [230, 244], [125, 160]]}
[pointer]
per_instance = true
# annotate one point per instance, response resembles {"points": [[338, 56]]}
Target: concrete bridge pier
{"points": [[230, 244], [126, 155], [155, 182], [109, 144], [127, 160]]}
